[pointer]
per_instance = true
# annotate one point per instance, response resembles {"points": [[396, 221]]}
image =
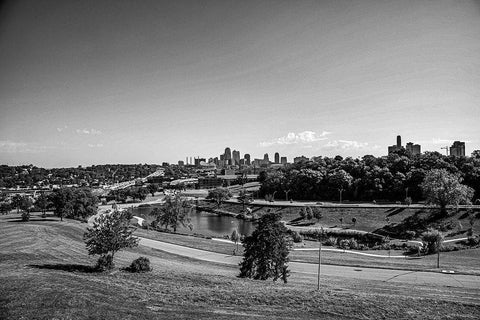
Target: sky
{"points": [[96, 82]]}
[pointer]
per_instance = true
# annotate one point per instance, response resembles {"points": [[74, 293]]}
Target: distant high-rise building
{"points": [[283, 160], [277, 157], [265, 157], [247, 159], [227, 156], [300, 159], [457, 149], [181, 163], [186, 160], [236, 157], [414, 149], [397, 146], [191, 160]]}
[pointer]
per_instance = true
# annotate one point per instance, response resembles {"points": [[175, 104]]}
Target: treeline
{"points": [[74, 203], [29, 175], [391, 178]]}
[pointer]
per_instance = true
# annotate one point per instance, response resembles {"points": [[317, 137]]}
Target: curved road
{"points": [[390, 275]]}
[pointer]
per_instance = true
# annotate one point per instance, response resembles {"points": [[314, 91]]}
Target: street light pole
{"points": [[319, 263]]}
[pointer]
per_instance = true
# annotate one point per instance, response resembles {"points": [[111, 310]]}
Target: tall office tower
{"points": [[457, 149], [215, 160], [397, 146], [191, 160], [247, 159], [228, 156], [399, 142], [265, 157], [277, 157], [283, 160], [236, 157], [414, 149], [186, 160]]}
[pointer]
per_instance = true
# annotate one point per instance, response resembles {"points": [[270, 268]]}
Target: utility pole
{"points": [[319, 264]]}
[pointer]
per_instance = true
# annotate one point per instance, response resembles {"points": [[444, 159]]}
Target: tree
{"points": [[17, 201], [266, 250], [152, 188], [219, 195], [235, 237], [174, 212], [74, 203], [42, 203], [244, 198], [341, 180], [62, 201], [109, 234], [443, 188], [25, 205]]}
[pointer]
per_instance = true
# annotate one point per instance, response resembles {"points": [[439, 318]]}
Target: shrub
{"points": [[105, 263], [344, 244], [432, 241], [296, 237], [352, 243], [409, 234], [25, 216], [408, 201], [331, 241], [141, 264]]}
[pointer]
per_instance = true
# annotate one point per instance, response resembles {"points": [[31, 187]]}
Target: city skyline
{"points": [[85, 83]]}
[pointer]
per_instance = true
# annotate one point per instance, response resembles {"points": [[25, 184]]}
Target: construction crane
{"points": [[446, 149]]}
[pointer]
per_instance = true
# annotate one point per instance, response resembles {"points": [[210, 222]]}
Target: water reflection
{"points": [[210, 224]]}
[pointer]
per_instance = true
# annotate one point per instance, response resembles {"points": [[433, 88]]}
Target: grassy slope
{"points": [[45, 275]]}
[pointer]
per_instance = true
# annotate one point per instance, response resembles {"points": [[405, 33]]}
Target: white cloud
{"points": [[98, 145], [62, 129], [295, 138], [8, 146], [88, 131], [345, 144]]}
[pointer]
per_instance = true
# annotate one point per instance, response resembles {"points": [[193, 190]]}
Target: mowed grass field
{"points": [[46, 274]]}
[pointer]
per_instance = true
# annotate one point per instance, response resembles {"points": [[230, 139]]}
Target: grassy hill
{"points": [[46, 274]]}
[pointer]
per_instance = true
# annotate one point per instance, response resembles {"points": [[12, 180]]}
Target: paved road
{"points": [[413, 277]]}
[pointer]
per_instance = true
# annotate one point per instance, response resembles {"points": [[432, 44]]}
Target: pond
{"points": [[209, 224]]}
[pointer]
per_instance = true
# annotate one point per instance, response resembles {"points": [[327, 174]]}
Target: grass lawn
{"points": [[46, 274]]}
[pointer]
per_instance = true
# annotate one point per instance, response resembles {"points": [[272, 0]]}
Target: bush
{"points": [[331, 241], [352, 244], [344, 244], [25, 216], [296, 237], [409, 234], [432, 241], [141, 264], [105, 263]]}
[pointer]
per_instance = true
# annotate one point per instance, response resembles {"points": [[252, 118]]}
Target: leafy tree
{"points": [[152, 188], [17, 201], [42, 203], [62, 201], [25, 205], [443, 188], [235, 237], [244, 198], [219, 195], [341, 180], [74, 203], [266, 250], [109, 234], [174, 212]]}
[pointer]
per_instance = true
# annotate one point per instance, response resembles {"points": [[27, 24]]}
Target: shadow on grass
{"points": [[67, 267], [15, 220]]}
